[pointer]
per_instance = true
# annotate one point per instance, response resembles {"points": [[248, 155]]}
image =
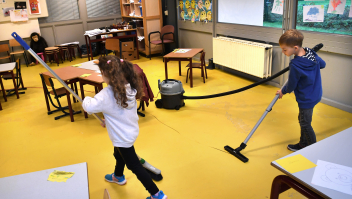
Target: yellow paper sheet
{"points": [[296, 163], [77, 65], [60, 176], [85, 75]]}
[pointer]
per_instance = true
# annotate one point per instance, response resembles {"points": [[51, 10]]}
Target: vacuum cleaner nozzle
{"points": [[237, 152]]}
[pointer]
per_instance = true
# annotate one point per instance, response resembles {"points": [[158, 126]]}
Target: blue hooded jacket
{"points": [[305, 80]]}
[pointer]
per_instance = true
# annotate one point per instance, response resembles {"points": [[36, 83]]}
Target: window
{"points": [[322, 16], [61, 11], [268, 13], [102, 8]]}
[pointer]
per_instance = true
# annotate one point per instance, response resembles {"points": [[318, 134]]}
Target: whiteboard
{"points": [[23, 29], [247, 12]]}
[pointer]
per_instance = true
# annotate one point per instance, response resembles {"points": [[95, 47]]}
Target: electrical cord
{"points": [[315, 48]]}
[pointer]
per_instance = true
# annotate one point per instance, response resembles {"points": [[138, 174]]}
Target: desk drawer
{"points": [[127, 46], [129, 55]]}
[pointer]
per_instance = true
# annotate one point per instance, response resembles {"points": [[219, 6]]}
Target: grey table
{"points": [[336, 149], [35, 185]]}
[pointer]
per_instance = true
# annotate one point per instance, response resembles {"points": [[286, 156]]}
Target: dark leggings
{"points": [[128, 157], [307, 132]]}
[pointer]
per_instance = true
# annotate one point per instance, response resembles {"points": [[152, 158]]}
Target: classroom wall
{"points": [[337, 53]]}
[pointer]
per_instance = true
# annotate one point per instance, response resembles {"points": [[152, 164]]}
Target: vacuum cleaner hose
{"points": [[315, 48]]}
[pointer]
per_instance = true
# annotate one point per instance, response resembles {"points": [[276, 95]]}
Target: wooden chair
{"points": [[57, 93], [166, 36], [64, 52], [53, 54], [14, 43], [72, 47], [112, 44], [201, 66], [18, 77], [5, 48], [282, 183]]}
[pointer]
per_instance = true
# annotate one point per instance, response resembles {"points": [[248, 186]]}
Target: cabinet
{"points": [[147, 14]]}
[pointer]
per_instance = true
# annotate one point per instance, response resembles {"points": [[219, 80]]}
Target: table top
{"points": [[188, 54], [69, 72], [35, 185], [335, 149], [118, 31], [7, 67]]}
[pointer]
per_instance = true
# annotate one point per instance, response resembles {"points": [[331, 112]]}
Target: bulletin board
{"points": [[195, 10], [24, 29], [10, 3]]}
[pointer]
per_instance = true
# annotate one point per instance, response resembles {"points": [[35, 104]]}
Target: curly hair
{"points": [[119, 74]]}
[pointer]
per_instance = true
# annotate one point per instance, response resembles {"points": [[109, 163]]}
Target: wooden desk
{"points": [[70, 75], [182, 57], [8, 69], [90, 41], [35, 185], [336, 149]]}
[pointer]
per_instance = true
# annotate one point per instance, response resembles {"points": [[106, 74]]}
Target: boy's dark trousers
{"points": [[307, 132], [128, 157]]}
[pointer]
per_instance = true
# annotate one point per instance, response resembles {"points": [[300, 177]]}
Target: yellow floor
{"points": [[186, 145]]}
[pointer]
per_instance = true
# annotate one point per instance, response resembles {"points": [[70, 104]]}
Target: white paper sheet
{"points": [[98, 71], [313, 13], [337, 6], [182, 50], [333, 176], [278, 7]]}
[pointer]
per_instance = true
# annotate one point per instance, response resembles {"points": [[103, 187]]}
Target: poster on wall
{"points": [[313, 13], [6, 11], [20, 5], [195, 10], [278, 7], [34, 7], [337, 6], [18, 15]]}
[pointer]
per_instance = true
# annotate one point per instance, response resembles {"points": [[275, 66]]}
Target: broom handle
{"points": [[264, 114], [26, 47]]}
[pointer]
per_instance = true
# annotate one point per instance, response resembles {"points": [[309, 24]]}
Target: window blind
{"points": [[102, 8], [61, 11]]}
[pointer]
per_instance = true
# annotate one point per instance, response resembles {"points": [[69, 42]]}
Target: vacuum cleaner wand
{"points": [[237, 152]]}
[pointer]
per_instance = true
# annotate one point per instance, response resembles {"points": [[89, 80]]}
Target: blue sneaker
{"points": [[161, 195], [112, 178]]}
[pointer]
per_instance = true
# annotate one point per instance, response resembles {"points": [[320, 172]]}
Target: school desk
{"points": [[35, 185], [187, 56], [335, 149], [70, 75], [89, 41], [8, 68]]}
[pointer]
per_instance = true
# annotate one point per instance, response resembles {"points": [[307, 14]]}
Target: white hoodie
{"points": [[121, 123]]}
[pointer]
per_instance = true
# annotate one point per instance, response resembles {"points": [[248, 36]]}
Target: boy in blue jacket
{"points": [[305, 80]]}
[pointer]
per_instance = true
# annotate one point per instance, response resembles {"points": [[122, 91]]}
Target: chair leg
{"points": [[25, 58], [203, 74], [187, 75], [3, 90], [150, 55]]}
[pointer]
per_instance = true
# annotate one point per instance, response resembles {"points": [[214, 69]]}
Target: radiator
{"points": [[245, 56]]}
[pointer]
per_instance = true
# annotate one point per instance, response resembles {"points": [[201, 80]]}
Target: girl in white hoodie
{"points": [[118, 104]]}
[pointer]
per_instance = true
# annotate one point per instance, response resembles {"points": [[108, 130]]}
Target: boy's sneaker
{"points": [[112, 178], [161, 195], [294, 147]]}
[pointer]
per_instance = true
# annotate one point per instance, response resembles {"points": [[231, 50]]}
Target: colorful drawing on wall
{"points": [[18, 15], [313, 13], [196, 10], [278, 7], [337, 6], [34, 7]]}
